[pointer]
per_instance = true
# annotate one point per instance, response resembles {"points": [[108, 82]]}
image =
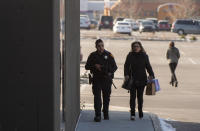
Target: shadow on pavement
{"points": [[185, 126]]}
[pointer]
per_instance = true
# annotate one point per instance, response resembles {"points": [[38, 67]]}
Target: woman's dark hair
{"points": [[139, 43], [98, 41], [171, 44]]}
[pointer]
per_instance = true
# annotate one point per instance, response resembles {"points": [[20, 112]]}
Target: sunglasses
{"points": [[136, 46]]}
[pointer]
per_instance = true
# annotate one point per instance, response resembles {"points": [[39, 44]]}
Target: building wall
{"points": [[72, 64], [30, 65], [29, 69]]}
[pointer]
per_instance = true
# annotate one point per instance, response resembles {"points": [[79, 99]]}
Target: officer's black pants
{"points": [[139, 90], [173, 68], [101, 85]]}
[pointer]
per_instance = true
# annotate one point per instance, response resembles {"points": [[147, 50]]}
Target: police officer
{"points": [[102, 65]]}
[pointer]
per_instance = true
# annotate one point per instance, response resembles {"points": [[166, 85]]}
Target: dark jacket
{"points": [[106, 60], [173, 55], [139, 63]]}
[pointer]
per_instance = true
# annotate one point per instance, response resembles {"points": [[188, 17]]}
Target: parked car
{"points": [[134, 25], [139, 20], [85, 16], [84, 23], [122, 27], [117, 19], [186, 26], [93, 23], [198, 21], [155, 22], [146, 26], [105, 22], [163, 25]]}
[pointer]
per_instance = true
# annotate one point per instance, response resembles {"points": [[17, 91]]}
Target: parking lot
{"points": [[160, 36]]}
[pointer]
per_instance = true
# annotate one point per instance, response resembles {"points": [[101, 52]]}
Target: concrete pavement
{"points": [[119, 121]]}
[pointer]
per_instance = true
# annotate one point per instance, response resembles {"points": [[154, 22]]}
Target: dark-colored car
{"points": [[186, 26], [155, 21], [163, 25], [147, 26], [105, 22]]}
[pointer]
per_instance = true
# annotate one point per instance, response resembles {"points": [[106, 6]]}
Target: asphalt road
{"points": [[179, 104]]}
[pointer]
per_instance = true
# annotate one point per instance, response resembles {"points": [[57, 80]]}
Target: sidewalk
{"points": [[119, 121], [119, 118]]}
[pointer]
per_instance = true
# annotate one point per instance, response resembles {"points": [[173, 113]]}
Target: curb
{"points": [[155, 122]]}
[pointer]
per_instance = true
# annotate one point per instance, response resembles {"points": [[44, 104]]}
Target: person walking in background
{"points": [[173, 56], [136, 65], [102, 66]]}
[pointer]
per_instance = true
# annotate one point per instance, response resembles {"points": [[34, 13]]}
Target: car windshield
{"points": [[120, 19], [83, 18], [107, 18], [127, 20], [123, 23], [147, 23], [163, 22]]}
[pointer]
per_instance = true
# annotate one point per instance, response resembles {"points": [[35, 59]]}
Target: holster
{"points": [[90, 78]]}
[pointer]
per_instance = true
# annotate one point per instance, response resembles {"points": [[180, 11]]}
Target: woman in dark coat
{"points": [[136, 65]]}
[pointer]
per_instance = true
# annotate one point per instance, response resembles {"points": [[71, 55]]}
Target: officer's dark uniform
{"points": [[101, 80]]}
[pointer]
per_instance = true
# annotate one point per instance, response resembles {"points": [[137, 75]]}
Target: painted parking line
{"points": [[182, 53], [191, 60]]}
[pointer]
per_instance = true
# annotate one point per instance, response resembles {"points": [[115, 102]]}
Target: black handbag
{"points": [[127, 84]]}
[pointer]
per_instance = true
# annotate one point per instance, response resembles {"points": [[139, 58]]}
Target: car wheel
{"points": [[180, 32], [129, 34], [99, 28]]}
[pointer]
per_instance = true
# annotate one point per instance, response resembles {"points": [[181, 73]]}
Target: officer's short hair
{"points": [[98, 41]]}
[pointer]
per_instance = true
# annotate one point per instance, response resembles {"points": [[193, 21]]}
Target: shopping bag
{"points": [[150, 88], [157, 85]]}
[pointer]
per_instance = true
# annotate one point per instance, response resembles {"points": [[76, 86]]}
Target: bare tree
{"points": [[190, 8], [128, 8]]}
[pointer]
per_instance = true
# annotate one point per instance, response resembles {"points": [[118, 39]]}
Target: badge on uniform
{"points": [[105, 57]]}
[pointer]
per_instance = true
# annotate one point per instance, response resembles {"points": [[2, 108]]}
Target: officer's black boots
{"points": [[106, 116], [97, 118], [140, 114]]}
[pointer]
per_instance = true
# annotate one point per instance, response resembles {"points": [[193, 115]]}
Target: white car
{"points": [[134, 24], [84, 23], [85, 16], [122, 27]]}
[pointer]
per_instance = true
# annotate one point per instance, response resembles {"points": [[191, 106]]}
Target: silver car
{"points": [[183, 27]]}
